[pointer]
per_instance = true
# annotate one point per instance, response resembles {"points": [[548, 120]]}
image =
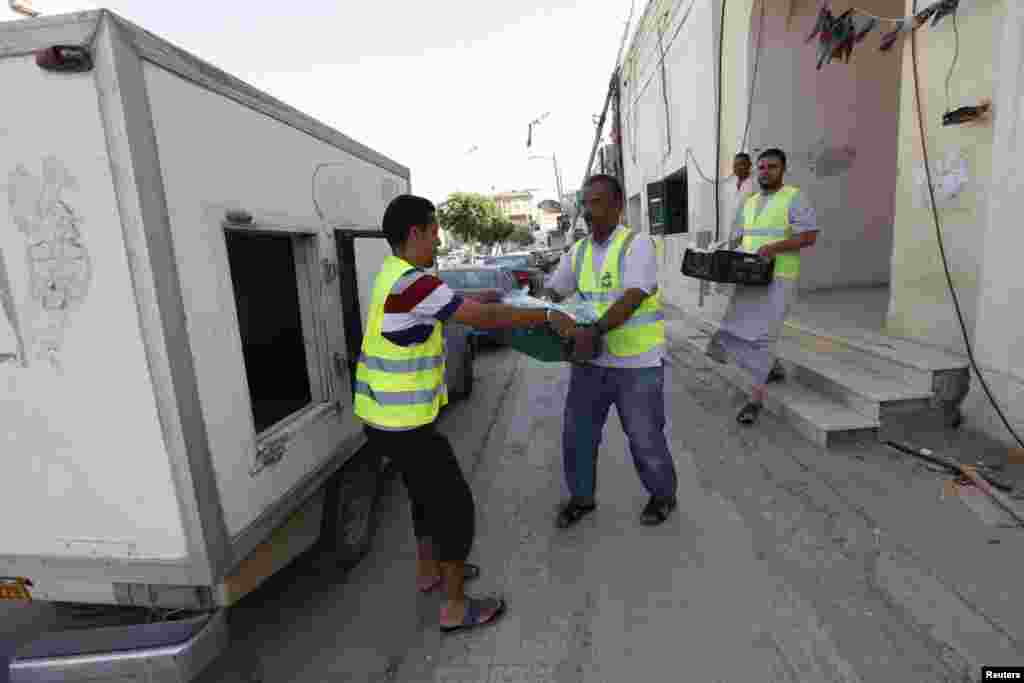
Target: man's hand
{"points": [[562, 324], [585, 343], [766, 252], [488, 297]]}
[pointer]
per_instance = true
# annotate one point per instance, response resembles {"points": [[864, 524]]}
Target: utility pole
{"points": [[558, 175], [612, 87]]}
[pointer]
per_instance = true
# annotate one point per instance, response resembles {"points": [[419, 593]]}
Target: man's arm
{"points": [[562, 282], [640, 280], [801, 241], [805, 228], [502, 316], [736, 233], [621, 310], [424, 300]]}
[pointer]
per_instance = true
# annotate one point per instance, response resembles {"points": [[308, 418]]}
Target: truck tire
{"points": [[469, 359], [350, 511]]}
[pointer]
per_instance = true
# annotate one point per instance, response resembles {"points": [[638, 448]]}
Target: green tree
{"points": [[522, 237], [499, 230], [469, 216]]}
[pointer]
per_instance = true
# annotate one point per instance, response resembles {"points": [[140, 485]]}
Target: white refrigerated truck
{"points": [[179, 321]]}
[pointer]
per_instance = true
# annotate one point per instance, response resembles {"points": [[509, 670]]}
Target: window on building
{"points": [[676, 203], [667, 205], [269, 304], [656, 207]]}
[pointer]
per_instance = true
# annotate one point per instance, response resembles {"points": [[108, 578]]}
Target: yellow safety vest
{"points": [[645, 329], [398, 387], [772, 225]]}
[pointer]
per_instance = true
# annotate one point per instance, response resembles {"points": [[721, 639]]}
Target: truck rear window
{"points": [[266, 288]]}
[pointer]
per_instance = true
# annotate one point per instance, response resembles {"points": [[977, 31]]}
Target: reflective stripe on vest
{"points": [[772, 225], [398, 387], [645, 329]]}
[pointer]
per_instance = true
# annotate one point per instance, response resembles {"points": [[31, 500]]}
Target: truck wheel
{"points": [[350, 510], [467, 370], [465, 387]]}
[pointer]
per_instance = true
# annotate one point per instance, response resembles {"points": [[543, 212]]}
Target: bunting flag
{"points": [[837, 35]]}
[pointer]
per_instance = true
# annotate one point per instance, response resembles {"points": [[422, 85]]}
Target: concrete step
{"points": [[911, 363], [869, 393], [818, 417]]}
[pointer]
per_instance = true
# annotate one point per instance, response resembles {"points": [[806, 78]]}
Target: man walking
{"points": [[744, 185], [775, 223], [738, 192], [616, 269], [399, 391]]}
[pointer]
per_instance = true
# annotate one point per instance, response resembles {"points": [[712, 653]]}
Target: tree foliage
{"points": [[474, 218], [522, 237]]}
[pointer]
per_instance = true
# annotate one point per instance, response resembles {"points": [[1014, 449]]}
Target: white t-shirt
{"points": [[640, 271]]}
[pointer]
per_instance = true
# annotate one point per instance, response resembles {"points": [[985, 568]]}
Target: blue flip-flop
{"points": [[474, 609]]}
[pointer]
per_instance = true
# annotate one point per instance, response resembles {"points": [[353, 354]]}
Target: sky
{"points": [[422, 83]]}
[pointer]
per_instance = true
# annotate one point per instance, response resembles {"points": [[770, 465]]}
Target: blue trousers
{"points": [[639, 398]]}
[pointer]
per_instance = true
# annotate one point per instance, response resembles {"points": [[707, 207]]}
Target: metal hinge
{"points": [[330, 269], [270, 453]]}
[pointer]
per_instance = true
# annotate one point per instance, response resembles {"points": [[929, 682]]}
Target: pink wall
{"points": [[839, 128]]}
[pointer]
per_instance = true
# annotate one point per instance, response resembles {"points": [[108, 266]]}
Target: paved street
{"points": [[782, 563]]}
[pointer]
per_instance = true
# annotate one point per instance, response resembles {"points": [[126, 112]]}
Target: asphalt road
{"points": [[783, 562]]}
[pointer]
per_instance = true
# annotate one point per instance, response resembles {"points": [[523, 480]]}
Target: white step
{"points": [[869, 393], [911, 363], [817, 417]]}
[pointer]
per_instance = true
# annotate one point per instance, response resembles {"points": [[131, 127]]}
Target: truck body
{"points": [[175, 373]]}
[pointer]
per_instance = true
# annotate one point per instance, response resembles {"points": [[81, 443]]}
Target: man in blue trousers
{"points": [[615, 269]]}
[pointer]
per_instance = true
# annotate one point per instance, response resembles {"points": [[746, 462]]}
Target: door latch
{"points": [[270, 453], [330, 269]]}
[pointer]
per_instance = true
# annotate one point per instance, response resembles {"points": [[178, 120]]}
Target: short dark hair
{"points": [[609, 180], [775, 153], [743, 155], [405, 211]]}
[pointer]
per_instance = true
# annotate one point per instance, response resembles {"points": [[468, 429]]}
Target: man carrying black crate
{"points": [[615, 269], [775, 223]]}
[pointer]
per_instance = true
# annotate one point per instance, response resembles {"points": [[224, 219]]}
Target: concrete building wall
{"points": [[921, 306], [998, 325], [838, 126], [871, 201]]}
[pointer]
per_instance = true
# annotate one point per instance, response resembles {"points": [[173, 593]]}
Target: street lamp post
{"points": [[558, 176]]}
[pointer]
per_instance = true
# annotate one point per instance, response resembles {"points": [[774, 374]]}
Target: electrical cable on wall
{"points": [[956, 56], [718, 124], [942, 248], [750, 107]]}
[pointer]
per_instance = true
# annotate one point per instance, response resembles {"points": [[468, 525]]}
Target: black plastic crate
{"points": [[729, 267]]}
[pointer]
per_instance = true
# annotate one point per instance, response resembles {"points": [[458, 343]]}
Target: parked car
{"points": [[485, 284], [522, 267]]}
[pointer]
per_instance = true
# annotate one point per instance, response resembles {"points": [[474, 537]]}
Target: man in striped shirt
{"points": [[399, 392]]}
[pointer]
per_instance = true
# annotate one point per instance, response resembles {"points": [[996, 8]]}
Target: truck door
{"points": [[361, 254]]}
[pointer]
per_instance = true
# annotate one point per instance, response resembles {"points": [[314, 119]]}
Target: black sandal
{"points": [[749, 414], [475, 608], [572, 512]]}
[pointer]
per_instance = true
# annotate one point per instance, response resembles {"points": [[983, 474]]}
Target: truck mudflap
{"points": [[165, 652]]}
